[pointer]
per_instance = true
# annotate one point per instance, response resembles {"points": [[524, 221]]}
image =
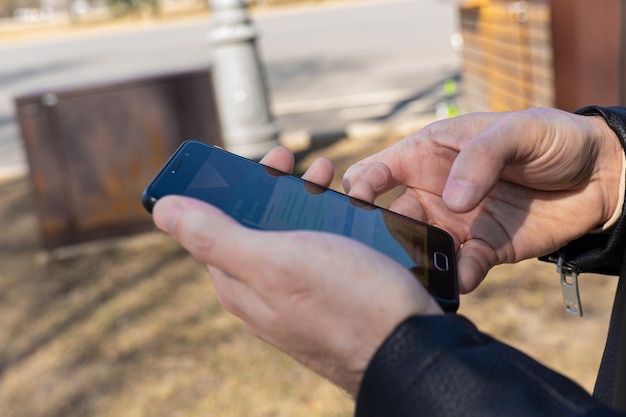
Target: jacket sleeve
{"points": [[443, 366]]}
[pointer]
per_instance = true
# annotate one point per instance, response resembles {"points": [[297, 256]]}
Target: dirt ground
{"points": [[132, 328]]}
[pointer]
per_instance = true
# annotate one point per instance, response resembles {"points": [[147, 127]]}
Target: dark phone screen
{"points": [[264, 198]]}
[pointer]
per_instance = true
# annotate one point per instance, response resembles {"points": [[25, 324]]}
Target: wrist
{"points": [[611, 170], [619, 207]]}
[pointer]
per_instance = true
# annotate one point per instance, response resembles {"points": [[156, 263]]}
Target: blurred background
{"points": [[100, 315]]}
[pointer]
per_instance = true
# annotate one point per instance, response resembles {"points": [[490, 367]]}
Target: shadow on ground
{"points": [[130, 328]]}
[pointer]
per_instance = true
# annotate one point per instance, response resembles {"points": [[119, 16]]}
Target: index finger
{"points": [[421, 160], [279, 158]]}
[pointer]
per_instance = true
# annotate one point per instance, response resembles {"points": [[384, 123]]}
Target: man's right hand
{"points": [[507, 186]]}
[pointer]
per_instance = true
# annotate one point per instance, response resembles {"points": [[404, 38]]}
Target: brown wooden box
{"points": [[91, 150]]}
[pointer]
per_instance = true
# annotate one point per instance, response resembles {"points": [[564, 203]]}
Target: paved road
{"points": [[327, 65]]}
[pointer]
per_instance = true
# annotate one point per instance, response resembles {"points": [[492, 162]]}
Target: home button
{"points": [[441, 261]]}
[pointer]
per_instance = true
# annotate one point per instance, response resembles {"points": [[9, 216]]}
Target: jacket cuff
{"points": [[443, 366], [403, 359]]}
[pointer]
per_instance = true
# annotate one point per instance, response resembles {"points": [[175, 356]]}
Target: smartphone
{"points": [[264, 198]]}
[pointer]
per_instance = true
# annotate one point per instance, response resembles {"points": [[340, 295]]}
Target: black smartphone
{"points": [[264, 198]]}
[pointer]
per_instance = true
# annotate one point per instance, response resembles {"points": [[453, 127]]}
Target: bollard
{"points": [[247, 125]]}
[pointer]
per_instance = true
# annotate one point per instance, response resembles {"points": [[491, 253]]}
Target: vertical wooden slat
{"points": [[507, 58]]}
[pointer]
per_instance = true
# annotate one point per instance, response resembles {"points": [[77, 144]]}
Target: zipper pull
{"points": [[569, 287]]}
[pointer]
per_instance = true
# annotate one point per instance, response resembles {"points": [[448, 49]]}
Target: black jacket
{"points": [[444, 366]]}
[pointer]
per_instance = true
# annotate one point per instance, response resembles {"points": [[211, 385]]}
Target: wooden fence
{"points": [[507, 56], [561, 53]]}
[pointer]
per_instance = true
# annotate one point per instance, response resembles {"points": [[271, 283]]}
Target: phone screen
{"points": [[263, 198]]}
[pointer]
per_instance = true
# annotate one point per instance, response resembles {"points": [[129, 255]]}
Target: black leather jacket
{"points": [[444, 366]]}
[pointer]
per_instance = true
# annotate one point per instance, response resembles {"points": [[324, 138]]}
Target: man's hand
{"points": [[326, 300], [507, 186]]}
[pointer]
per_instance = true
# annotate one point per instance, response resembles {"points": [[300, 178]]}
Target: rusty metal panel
{"points": [[92, 150]]}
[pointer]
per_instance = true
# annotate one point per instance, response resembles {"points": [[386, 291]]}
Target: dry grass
{"points": [[133, 329]]}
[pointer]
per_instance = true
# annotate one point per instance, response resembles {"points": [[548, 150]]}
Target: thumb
{"points": [[476, 170], [210, 235]]}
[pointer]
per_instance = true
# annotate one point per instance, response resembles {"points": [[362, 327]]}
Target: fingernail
{"points": [[346, 185], [377, 176], [460, 195]]}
